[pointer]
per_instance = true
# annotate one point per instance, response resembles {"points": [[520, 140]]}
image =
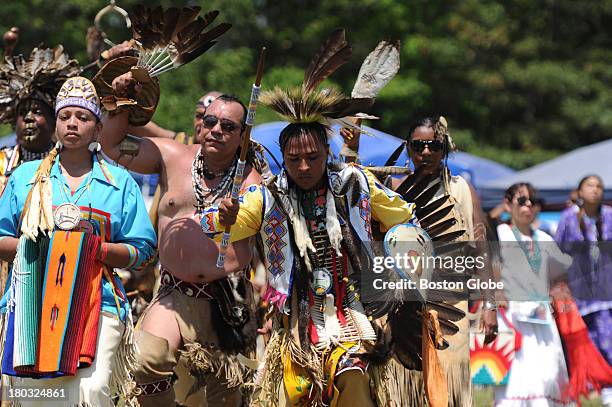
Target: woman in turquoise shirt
{"points": [[74, 190]]}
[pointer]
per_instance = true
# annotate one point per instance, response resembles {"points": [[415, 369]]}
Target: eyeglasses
{"points": [[227, 126], [419, 145]]}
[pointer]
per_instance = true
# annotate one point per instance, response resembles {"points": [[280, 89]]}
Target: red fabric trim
{"points": [[586, 364], [312, 330]]}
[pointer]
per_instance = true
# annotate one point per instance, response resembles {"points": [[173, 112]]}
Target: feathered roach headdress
{"points": [[39, 77], [165, 39], [306, 104]]}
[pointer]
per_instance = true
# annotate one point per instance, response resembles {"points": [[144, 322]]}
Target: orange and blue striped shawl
{"points": [[53, 323]]}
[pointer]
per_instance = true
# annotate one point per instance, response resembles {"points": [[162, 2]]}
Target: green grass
{"points": [[483, 397]]}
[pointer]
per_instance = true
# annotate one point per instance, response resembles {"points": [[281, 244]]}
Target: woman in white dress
{"points": [[531, 261]]}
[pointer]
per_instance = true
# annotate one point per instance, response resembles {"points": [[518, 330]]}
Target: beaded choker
{"points": [[31, 156], [208, 174]]}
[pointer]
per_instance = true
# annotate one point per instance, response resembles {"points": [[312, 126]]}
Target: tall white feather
{"points": [[380, 66], [46, 223]]}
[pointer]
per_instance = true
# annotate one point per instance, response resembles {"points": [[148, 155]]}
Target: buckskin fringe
{"points": [[270, 380], [210, 360], [459, 383], [267, 382], [123, 382], [395, 386], [310, 360]]}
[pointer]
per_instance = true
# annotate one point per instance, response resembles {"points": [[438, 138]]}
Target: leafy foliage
{"points": [[518, 81]]}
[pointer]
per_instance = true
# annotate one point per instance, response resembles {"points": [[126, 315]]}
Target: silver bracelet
{"points": [[489, 305]]}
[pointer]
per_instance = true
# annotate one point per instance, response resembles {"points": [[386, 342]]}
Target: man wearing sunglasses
{"points": [[152, 129], [428, 146], [186, 316]]}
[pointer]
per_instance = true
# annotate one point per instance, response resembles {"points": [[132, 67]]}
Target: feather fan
{"points": [[377, 70], [173, 37]]}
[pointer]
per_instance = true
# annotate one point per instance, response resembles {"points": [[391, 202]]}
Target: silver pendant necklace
{"points": [[67, 215]]}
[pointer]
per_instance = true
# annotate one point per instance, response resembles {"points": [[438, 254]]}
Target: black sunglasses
{"points": [[227, 126], [419, 145], [522, 201]]}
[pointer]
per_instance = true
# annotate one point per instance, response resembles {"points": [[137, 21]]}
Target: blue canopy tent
{"points": [[375, 149]]}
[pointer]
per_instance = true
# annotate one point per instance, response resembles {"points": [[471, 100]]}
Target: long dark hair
{"points": [[598, 225]]}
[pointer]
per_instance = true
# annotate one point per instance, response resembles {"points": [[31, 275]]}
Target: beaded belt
{"points": [[195, 290], [160, 386]]}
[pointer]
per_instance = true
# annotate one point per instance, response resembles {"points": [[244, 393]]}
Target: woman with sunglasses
{"points": [[585, 232], [531, 261], [428, 145]]}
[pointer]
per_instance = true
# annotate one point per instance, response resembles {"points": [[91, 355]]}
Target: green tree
{"points": [[518, 81]]}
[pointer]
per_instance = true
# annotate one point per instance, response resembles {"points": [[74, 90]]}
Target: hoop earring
{"points": [[94, 147]]}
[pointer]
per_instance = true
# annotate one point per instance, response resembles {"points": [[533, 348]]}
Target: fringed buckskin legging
{"points": [[157, 361]]}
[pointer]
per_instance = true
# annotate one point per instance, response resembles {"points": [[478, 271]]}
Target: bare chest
{"points": [[178, 198]]}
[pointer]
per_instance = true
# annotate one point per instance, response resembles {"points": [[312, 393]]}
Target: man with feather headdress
{"points": [[198, 313], [312, 220]]}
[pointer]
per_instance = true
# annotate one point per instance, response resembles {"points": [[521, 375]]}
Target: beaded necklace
{"points": [[31, 156], [535, 259], [199, 170]]}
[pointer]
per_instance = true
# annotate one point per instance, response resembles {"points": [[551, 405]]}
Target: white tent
{"points": [[557, 177]]}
